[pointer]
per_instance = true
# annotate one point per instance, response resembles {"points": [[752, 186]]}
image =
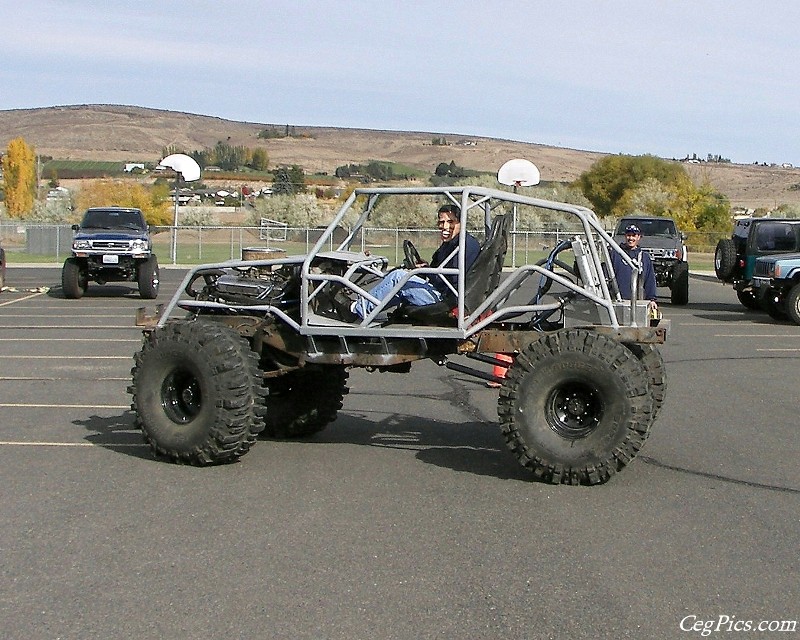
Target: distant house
{"points": [[131, 166]]}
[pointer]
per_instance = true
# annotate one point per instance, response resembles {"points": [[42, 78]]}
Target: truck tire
{"points": [[576, 407], [792, 304], [775, 308], [74, 279], [147, 277], [680, 284], [303, 402], [725, 258], [197, 393], [748, 299], [650, 357]]}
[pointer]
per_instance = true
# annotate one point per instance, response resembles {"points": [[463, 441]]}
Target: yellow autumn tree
{"points": [[153, 201], [19, 170]]}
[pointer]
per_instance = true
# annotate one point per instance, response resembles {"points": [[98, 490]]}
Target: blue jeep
{"points": [[777, 281], [735, 257]]}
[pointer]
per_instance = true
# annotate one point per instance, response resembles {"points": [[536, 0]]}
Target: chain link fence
{"points": [[48, 243]]}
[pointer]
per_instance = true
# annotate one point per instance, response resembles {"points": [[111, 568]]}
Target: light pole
{"points": [[187, 168]]}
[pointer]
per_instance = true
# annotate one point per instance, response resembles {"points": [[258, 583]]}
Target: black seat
{"points": [[482, 278]]}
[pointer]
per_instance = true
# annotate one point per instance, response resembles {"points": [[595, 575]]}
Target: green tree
{"points": [[289, 180], [19, 170], [607, 181], [260, 159]]}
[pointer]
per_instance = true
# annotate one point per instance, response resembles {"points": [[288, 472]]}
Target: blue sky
{"points": [[667, 77]]}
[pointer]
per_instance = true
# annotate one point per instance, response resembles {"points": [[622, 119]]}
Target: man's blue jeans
{"points": [[416, 291]]}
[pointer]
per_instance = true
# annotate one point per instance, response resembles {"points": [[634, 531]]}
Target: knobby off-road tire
{"points": [[725, 258], [650, 357], [792, 304], [303, 402], [576, 407], [147, 276], [680, 284], [74, 280], [197, 393]]}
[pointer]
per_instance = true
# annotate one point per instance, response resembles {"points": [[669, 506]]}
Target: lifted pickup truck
{"points": [[776, 279], [111, 244], [246, 347], [667, 248]]}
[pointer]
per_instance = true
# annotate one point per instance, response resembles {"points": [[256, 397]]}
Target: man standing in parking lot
{"points": [[624, 273]]}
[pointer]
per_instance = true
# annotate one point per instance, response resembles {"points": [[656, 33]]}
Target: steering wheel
{"points": [[411, 254]]}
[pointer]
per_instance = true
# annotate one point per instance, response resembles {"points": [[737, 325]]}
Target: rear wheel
{"points": [[74, 279], [725, 258], [748, 299], [576, 407], [197, 393], [680, 284], [147, 277], [303, 402]]}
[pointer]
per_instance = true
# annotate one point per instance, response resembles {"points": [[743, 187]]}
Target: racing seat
{"points": [[482, 278]]}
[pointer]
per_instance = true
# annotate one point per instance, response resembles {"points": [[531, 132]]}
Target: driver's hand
{"points": [[419, 265]]}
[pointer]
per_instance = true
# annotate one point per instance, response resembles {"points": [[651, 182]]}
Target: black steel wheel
{"points": [[303, 402], [576, 407], [197, 393]]}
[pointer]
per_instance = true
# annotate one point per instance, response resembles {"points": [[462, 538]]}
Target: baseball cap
{"points": [[632, 228]]}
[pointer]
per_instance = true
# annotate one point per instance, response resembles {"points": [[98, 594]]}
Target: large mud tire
{"points": [[650, 356], [197, 393], [575, 407], [303, 402], [680, 284], [725, 258], [147, 276], [74, 280]]}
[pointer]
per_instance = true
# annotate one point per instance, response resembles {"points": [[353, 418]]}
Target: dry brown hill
{"points": [[126, 133]]}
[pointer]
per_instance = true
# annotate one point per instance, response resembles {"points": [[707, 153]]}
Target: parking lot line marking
{"points": [[24, 405], [54, 378], [757, 335], [12, 443], [33, 295], [51, 315], [787, 349], [69, 340], [28, 327], [70, 357]]}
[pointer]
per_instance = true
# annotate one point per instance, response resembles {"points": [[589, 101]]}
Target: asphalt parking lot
{"points": [[407, 517]]}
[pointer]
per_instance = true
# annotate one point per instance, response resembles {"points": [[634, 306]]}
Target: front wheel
{"points": [[576, 407], [74, 279], [792, 304], [147, 277], [680, 284], [197, 393]]}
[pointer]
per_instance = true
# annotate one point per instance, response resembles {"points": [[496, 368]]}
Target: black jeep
{"points": [[111, 244], [665, 244], [735, 257]]}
